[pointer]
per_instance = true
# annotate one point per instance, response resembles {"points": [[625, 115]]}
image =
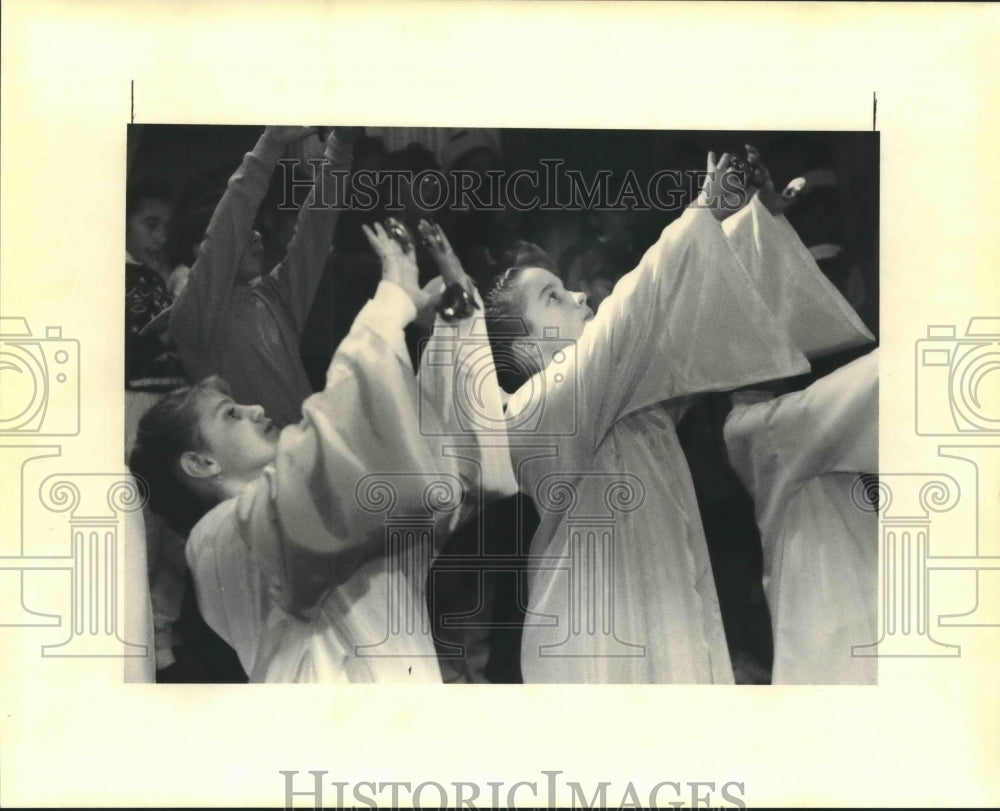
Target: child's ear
{"points": [[199, 465]]}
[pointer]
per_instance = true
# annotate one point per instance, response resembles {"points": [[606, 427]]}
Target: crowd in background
{"points": [[177, 174]]}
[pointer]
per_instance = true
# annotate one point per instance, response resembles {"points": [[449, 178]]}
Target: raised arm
{"points": [[198, 309], [687, 319], [298, 275], [806, 304], [829, 427], [313, 517], [460, 398]]}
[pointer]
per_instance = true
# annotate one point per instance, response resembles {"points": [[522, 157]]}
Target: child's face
{"points": [[548, 308], [240, 438], [146, 233]]}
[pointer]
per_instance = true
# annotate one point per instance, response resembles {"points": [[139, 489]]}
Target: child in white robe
{"points": [[621, 587], [311, 554], [800, 457]]}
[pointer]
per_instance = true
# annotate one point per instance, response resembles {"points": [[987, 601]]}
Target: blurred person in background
{"points": [[151, 369], [238, 321]]}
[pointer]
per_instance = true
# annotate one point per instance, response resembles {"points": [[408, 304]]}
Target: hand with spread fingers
{"points": [[340, 143], [458, 299], [775, 202], [395, 251], [727, 186]]}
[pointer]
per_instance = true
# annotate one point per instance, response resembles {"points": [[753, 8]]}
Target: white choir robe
{"points": [[621, 587], [298, 573], [800, 457], [138, 604]]}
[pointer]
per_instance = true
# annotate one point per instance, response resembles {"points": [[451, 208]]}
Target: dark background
{"points": [[194, 158]]}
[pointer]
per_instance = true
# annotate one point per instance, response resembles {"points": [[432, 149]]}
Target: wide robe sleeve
{"points": [[298, 275], [799, 457], [140, 667], [357, 456], [804, 302], [688, 319], [201, 306], [830, 427], [233, 592]]}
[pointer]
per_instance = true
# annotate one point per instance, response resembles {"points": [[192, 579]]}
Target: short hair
{"points": [[166, 431], [504, 325], [144, 189], [522, 253]]}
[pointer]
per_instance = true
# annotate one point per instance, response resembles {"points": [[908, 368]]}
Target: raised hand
{"points": [[398, 231], [340, 143], [775, 202], [727, 186], [398, 258], [345, 135], [440, 249], [458, 299]]}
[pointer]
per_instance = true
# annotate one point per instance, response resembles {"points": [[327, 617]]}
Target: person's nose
{"points": [[580, 299], [255, 412]]}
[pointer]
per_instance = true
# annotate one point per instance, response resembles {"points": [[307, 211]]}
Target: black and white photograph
{"points": [[514, 404], [673, 333]]}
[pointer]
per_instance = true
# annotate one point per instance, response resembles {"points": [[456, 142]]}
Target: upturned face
{"points": [[549, 311], [548, 308], [240, 439]]}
